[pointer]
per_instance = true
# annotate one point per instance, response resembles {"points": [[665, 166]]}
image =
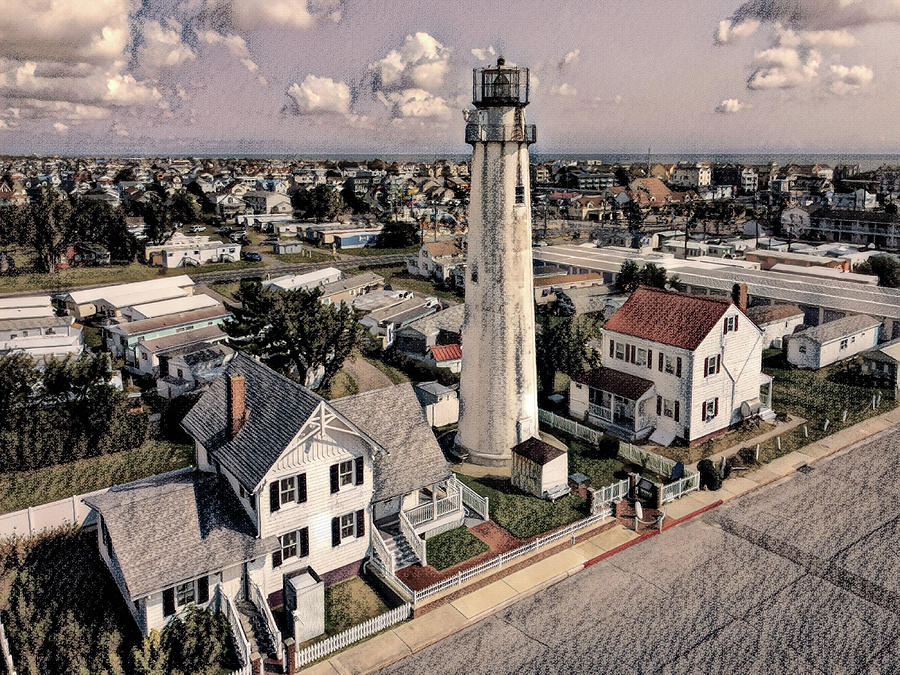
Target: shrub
{"points": [[709, 477]]}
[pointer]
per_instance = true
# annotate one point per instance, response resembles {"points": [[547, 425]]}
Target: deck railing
{"points": [[433, 510], [237, 630], [416, 543], [679, 488], [259, 600], [382, 553], [472, 499]]}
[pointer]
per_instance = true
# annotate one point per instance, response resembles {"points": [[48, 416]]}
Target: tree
{"points": [[95, 221], [562, 346], [294, 332], [398, 234], [157, 216], [149, 659], [886, 268], [185, 207], [325, 203], [197, 643], [653, 275], [629, 276], [47, 225]]}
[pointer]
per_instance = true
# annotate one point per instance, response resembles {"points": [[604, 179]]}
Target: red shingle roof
{"points": [[676, 319], [614, 381], [446, 352]]}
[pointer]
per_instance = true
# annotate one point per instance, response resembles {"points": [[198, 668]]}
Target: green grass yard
{"points": [[307, 256], [453, 547], [31, 488], [350, 603]]}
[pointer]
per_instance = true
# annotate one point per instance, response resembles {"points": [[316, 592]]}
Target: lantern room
{"points": [[500, 86]]}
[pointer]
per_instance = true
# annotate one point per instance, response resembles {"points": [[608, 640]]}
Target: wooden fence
{"points": [[359, 632]]}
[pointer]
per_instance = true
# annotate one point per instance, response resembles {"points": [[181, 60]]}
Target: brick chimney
{"points": [[236, 390], [739, 296]]}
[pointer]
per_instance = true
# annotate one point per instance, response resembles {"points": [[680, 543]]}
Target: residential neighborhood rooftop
{"points": [[841, 328], [538, 451], [616, 382], [763, 314], [160, 322]]}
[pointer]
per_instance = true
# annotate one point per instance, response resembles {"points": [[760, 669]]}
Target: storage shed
{"points": [[540, 468]]}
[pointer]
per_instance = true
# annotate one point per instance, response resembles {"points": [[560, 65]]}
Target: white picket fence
{"points": [[649, 460], [316, 651], [473, 500], [679, 488], [606, 495], [571, 427], [68, 511]]}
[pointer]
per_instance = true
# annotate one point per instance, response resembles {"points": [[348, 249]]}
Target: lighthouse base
{"points": [[481, 458]]}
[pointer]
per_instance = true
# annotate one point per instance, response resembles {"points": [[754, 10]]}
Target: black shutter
{"points": [[358, 467], [716, 413], [301, 488], [660, 362], [650, 359], [334, 478], [202, 590], [335, 532], [735, 321], [678, 367], [658, 405], [718, 364], [274, 503], [360, 523], [612, 349], [677, 414], [706, 366], [304, 542], [169, 602], [726, 327], [276, 557]]}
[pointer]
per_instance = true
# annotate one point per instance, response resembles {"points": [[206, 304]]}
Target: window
{"points": [[712, 365], [348, 525], [620, 351], [668, 408], [288, 545], [731, 324], [180, 373], [185, 594], [640, 358], [24, 333], [345, 473], [669, 364], [710, 409], [287, 489], [802, 349], [520, 194], [844, 343]]}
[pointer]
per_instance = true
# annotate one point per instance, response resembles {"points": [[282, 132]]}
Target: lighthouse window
{"points": [[520, 194], [474, 275]]}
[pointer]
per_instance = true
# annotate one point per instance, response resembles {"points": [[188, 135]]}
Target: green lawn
{"points": [[342, 385], [350, 603], [714, 446], [523, 515], [30, 488], [114, 274], [398, 277], [374, 251], [599, 464], [453, 547], [817, 395], [227, 288], [307, 256]]}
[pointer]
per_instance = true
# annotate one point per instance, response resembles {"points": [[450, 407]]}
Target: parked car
{"points": [[198, 228], [224, 230], [239, 238], [251, 255]]}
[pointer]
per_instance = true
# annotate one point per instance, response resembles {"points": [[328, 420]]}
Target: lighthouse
{"points": [[498, 385]]}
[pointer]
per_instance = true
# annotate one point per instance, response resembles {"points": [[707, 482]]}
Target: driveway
{"points": [[800, 577]]}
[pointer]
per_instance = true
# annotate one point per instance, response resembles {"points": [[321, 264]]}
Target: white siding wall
{"points": [[555, 473], [810, 359], [738, 379], [778, 329], [578, 400], [314, 457], [153, 604], [831, 352]]}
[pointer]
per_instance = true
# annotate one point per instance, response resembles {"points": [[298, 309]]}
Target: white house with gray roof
{"points": [[286, 482], [833, 341]]}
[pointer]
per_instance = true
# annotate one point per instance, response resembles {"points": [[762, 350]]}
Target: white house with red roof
{"points": [[675, 366]]}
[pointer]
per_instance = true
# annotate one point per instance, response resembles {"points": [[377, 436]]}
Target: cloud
{"points": [[320, 95], [416, 103], [570, 58], [421, 62], [235, 44], [161, 48], [729, 31], [250, 15], [60, 127], [783, 68], [484, 54], [849, 80], [729, 106], [565, 89], [787, 37], [98, 87], [818, 14]]}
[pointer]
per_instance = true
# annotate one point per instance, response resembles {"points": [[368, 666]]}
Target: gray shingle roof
{"points": [[171, 528], [834, 330], [450, 320], [277, 408], [394, 418]]}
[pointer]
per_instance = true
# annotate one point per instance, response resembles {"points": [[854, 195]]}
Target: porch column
{"points": [[434, 496]]}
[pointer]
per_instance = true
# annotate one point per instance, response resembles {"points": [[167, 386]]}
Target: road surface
{"points": [[799, 577]]}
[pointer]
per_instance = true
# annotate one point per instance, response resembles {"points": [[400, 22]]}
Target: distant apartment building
{"points": [[692, 175]]}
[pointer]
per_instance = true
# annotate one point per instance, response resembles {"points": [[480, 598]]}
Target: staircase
{"points": [[396, 544], [254, 625]]}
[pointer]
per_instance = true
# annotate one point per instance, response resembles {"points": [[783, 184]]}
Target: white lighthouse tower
{"points": [[498, 386]]}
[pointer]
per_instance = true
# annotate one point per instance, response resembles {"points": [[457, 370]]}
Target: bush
{"points": [[419, 371], [709, 476]]}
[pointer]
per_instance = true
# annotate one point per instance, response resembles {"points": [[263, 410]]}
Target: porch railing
{"points": [[259, 600], [237, 630], [433, 510], [472, 499], [416, 543], [382, 553], [600, 412]]}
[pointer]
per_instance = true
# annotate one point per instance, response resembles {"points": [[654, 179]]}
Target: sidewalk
{"points": [[398, 643]]}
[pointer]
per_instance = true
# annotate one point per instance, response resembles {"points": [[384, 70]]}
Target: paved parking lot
{"points": [[799, 577]]}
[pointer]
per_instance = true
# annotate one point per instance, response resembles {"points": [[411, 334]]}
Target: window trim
{"points": [[287, 495], [180, 597], [346, 471], [620, 355], [343, 526]]}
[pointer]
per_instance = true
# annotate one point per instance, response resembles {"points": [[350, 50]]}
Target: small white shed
{"points": [[540, 468], [833, 341]]}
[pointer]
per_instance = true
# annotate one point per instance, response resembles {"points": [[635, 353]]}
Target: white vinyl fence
{"points": [[359, 632], [68, 511], [604, 496], [571, 427]]}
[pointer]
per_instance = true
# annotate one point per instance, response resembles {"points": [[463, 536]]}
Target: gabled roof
{"points": [[171, 528], [394, 418], [277, 408], [616, 382], [835, 330], [537, 451], [671, 318], [446, 352], [763, 314], [450, 320]]}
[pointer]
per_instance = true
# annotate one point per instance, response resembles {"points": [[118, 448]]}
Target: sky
{"points": [[244, 77]]}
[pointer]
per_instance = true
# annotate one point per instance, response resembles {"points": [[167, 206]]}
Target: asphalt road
{"points": [[800, 577]]}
